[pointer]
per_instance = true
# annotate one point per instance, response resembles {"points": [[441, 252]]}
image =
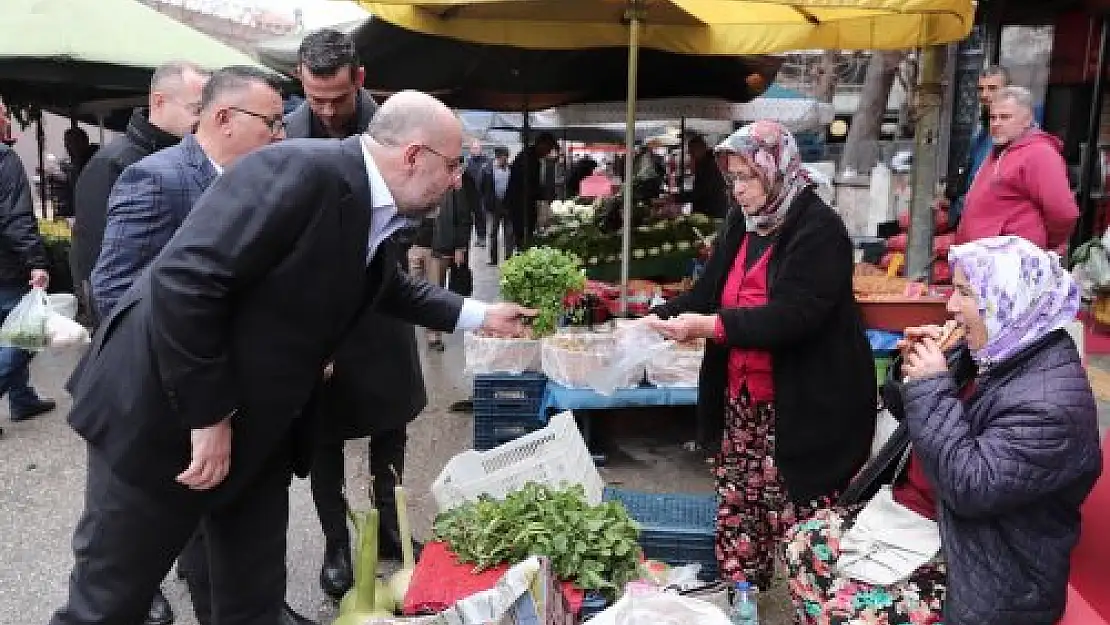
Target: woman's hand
{"points": [[686, 326], [924, 359], [916, 334]]}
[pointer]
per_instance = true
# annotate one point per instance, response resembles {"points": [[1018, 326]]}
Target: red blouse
{"points": [[747, 288]]}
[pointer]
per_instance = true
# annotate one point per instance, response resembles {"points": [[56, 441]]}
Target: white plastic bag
{"points": [[62, 331], [660, 608], [634, 345], [25, 325]]}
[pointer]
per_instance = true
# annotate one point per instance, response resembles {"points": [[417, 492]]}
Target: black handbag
{"points": [[460, 280]]}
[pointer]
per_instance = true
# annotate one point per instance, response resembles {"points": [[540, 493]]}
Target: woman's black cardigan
{"points": [[824, 376]]}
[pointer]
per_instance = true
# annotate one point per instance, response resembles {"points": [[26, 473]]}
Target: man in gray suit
{"points": [[230, 329], [368, 394]]}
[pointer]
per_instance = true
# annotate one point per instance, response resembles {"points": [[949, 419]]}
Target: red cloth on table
{"points": [[916, 492], [439, 580], [747, 288]]}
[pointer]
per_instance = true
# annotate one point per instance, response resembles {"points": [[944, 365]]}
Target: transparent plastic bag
{"points": [[25, 326], [634, 346], [660, 608], [575, 359], [678, 365], [488, 354], [62, 331]]}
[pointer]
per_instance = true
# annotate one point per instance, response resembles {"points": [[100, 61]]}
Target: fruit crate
{"points": [[676, 528], [506, 407], [552, 455]]}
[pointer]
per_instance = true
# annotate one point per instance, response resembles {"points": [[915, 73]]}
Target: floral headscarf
{"points": [[1023, 292], [771, 148]]}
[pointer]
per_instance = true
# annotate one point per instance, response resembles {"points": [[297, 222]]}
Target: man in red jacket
{"points": [[1022, 188]]}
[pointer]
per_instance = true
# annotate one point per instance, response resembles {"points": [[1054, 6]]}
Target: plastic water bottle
{"points": [[745, 611]]}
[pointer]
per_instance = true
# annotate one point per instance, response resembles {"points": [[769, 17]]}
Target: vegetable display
{"points": [[593, 546], [542, 278]]}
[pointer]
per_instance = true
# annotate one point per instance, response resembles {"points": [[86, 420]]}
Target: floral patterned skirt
{"points": [[754, 510], [823, 597]]}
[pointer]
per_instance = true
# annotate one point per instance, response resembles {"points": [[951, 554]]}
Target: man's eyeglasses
{"points": [[275, 124], [454, 165]]}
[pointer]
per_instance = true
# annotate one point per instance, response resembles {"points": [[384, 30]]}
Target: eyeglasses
{"points": [[732, 177], [454, 165], [275, 124]]}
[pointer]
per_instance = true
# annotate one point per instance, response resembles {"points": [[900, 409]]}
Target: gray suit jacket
{"points": [[239, 313]]}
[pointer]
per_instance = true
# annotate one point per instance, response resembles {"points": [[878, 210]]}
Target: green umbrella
{"points": [[64, 52]]}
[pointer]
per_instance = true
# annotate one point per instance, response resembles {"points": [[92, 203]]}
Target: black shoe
{"points": [[465, 405], [289, 617], [160, 611], [35, 409], [337, 575]]}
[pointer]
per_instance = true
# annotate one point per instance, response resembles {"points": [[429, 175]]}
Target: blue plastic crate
{"points": [[592, 603], [675, 528], [493, 429], [500, 387]]}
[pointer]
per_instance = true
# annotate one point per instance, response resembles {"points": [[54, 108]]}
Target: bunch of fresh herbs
{"points": [[542, 278], [593, 546]]}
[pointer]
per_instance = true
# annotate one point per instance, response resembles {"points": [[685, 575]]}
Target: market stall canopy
{"points": [[707, 27], [280, 53], [500, 78], [62, 52]]}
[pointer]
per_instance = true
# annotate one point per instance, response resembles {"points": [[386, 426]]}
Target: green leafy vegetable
{"points": [[542, 278], [594, 546]]}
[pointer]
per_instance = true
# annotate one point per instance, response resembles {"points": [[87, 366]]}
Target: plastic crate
{"points": [[592, 604], [675, 528], [497, 428], [553, 455], [511, 395]]}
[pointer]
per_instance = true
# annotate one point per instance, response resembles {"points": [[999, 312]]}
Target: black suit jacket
{"points": [[824, 376], [378, 384], [240, 312]]}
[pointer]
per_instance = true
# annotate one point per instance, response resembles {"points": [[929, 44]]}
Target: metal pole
{"points": [[930, 97], [634, 15], [1087, 216], [680, 178]]}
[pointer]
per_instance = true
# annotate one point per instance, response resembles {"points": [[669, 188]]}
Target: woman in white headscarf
{"points": [[788, 370]]}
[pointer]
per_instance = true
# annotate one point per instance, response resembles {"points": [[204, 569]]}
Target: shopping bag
{"points": [[460, 280], [25, 325]]}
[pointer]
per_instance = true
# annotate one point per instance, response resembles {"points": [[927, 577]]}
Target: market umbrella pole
{"points": [[634, 14]]}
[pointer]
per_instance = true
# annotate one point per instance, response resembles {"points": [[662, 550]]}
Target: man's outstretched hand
{"points": [[507, 320], [211, 457]]}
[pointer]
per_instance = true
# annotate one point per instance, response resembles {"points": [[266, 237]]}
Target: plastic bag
{"points": [[62, 331], [677, 365], [25, 326], [488, 354], [634, 346], [660, 608]]}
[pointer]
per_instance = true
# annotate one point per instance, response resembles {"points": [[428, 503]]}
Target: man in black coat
{"points": [[23, 262], [174, 104], [708, 195], [230, 329], [526, 188], [367, 394]]}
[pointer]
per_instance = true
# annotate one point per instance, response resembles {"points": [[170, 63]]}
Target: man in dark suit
{"points": [[174, 103], [709, 195], [230, 329], [368, 394], [240, 111]]}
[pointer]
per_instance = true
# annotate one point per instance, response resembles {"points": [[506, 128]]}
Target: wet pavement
{"points": [[42, 469]]}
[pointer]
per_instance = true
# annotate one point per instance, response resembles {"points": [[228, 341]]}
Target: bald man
{"points": [[230, 329]]}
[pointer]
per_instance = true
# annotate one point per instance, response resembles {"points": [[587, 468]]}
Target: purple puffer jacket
{"points": [[1010, 468]]}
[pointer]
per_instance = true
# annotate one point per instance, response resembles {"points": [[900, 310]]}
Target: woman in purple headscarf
{"points": [[1001, 458]]}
